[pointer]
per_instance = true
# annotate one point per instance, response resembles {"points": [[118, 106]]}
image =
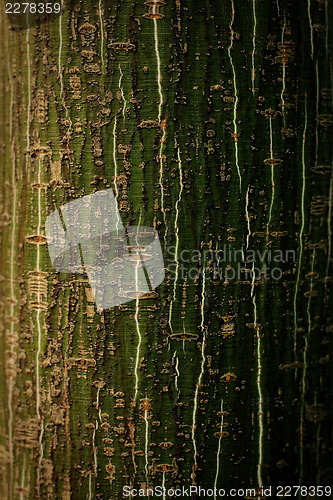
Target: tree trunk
{"points": [[212, 123]]}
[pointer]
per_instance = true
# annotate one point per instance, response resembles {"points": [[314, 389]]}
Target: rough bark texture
{"points": [[212, 123]]}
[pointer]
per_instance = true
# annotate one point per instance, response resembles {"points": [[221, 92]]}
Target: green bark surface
{"points": [[213, 124]]}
